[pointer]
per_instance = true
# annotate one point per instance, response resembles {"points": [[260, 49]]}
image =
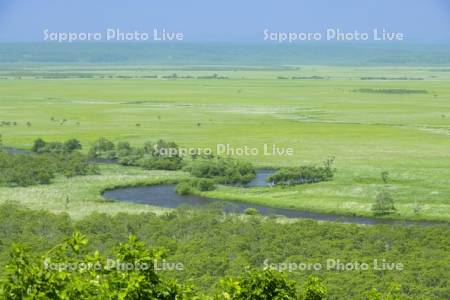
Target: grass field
{"points": [[404, 133], [81, 196]]}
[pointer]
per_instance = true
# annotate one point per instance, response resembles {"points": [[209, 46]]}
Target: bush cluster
{"points": [[303, 174], [189, 186], [25, 170], [45, 162], [152, 156], [223, 170], [41, 146], [208, 171], [165, 155]]}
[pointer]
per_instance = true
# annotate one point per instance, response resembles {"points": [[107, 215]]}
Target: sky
{"points": [[224, 20]]}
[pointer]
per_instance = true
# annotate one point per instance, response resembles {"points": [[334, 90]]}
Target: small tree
{"points": [[183, 188], [385, 177], [315, 289], [417, 207], [393, 293], [38, 145], [384, 204], [251, 211], [102, 147], [72, 145]]}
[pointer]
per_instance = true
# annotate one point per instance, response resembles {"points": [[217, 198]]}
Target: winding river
{"points": [[164, 195]]}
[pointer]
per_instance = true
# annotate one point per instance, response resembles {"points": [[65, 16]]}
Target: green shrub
{"points": [[251, 211], [204, 184], [384, 204], [259, 285], [315, 289], [38, 145], [385, 177], [393, 293], [72, 145], [184, 188], [103, 148]]}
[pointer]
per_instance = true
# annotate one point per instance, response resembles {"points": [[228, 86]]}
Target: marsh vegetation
{"points": [[387, 128]]}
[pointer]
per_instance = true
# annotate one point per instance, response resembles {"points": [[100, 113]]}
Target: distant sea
{"points": [[227, 54]]}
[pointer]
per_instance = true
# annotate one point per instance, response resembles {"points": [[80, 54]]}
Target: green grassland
{"points": [[406, 134], [82, 196]]}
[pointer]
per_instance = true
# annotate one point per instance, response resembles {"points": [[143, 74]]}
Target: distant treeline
{"points": [[8, 123], [390, 91], [57, 75], [315, 77], [175, 76], [391, 78]]}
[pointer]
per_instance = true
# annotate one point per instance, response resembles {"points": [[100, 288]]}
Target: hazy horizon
{"points": [[231, 21]]}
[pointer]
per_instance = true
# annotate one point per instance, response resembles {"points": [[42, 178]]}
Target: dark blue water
{"points": [[261, 176], [164, 196], [16, 151]]}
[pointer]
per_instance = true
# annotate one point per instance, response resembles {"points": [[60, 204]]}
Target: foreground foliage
{"points": [[212, 247], [265, 285], [67, 272]]}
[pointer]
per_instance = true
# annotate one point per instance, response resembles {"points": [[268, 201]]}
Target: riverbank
{"points": [[80, 196], [164, 196]]}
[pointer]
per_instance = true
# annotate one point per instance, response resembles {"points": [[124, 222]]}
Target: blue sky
{"points": [[230, 20]]}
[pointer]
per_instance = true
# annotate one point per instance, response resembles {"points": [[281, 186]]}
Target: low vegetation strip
{"points": [[390, 91], [391, 78]]}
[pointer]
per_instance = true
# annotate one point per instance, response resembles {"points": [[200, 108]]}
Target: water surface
{"points": [[164, 195]]}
